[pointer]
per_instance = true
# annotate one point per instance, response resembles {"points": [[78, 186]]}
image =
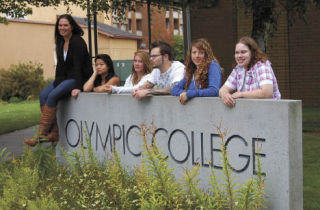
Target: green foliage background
{"points": [[22, 81], [178, 48]]}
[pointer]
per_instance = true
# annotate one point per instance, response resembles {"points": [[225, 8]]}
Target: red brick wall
{"points": [[277, 51], [144, 12], [158, 18], [293, 51], [218, 25], [304, 54]]}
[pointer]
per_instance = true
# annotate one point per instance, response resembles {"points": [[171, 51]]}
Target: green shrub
{"points": [[2, 102], [3, 154], [43, 202], [158, 188], [35, 181], [15, 100], [178, 48], [21, 81], [19, 188]]}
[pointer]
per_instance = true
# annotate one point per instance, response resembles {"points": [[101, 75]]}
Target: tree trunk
{"points": [[258, 34], [262, 14]]}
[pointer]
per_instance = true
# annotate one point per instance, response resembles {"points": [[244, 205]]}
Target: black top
{"points": [[78, 63]]}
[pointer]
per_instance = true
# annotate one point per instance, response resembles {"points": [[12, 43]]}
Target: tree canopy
{"points": [[21, 8], [265, 15], [264, 12]]}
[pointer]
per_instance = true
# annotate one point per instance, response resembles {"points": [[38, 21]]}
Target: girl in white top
{"points": [[140, 73]]}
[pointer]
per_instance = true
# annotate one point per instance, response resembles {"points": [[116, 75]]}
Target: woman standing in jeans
{"points": [[73, 68]]}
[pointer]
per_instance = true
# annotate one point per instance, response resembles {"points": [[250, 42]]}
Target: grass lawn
{"points": [[15, 116], [311, 158], [311, 120], [311, 171]]}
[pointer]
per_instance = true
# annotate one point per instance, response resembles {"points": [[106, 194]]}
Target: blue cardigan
{"points": [[214, 84]]}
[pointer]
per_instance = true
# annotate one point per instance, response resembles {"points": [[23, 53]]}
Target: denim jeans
{"points": [[50, 95]]}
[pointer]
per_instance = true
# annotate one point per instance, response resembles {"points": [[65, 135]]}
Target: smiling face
{"points": [[64, 27], [242, 55], [138, 64], [197, 56], [101, 67]]}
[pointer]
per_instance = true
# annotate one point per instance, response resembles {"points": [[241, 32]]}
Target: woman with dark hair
{"points": [[140, 73], [73, 68], [102, 76], [252, 77], [203, 73]]}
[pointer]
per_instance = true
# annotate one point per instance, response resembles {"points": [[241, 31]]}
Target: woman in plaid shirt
{"points": [[252, 77]]}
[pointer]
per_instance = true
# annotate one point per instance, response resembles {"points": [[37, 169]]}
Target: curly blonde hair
{"points": [[201, 73], [147, 66]]}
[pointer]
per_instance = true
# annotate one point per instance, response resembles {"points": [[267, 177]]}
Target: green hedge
{"points": [[21, 82]]}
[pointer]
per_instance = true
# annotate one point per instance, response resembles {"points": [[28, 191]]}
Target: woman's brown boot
{"points": [[47, 119], [53, 136]]}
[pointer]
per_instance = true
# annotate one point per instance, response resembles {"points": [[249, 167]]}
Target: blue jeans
{"points": [[50, 95]]}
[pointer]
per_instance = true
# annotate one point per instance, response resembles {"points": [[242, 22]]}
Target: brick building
{"points": [[161, 19], [293, 50]]}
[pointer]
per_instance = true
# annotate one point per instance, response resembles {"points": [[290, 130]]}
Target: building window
{"points": [[168, 24], [167, 13], [139, 42], [139, 25], [138, 15], [176, 23], [130, 25]]}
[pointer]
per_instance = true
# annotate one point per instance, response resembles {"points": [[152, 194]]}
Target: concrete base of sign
{"points": [[187, 133]]}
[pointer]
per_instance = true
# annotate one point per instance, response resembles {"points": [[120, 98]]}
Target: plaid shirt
{"points": [[258, 75]]}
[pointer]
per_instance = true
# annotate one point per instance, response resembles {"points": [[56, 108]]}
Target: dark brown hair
{"points": [[165, 48], [76, 30]]}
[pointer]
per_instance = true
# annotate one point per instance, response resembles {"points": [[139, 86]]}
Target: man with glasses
{"points": [[166, 72]]}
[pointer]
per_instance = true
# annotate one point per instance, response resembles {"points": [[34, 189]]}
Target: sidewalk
{"points": [[14, 141]]}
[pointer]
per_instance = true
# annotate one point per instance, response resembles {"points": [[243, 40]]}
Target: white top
{"points": [[65, 52], [163, 80], [128, 86]]}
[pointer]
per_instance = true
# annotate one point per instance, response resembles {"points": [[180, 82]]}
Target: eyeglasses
{"points": [[154, 56]]}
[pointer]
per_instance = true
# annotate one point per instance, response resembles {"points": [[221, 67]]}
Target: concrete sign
{"points": [[187, 134]]}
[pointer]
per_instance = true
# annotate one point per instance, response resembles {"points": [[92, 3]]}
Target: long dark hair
{"points": [[107, 59], [76, 30]]}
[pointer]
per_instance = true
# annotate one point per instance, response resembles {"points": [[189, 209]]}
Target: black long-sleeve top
{"points": [[77, 65]]}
